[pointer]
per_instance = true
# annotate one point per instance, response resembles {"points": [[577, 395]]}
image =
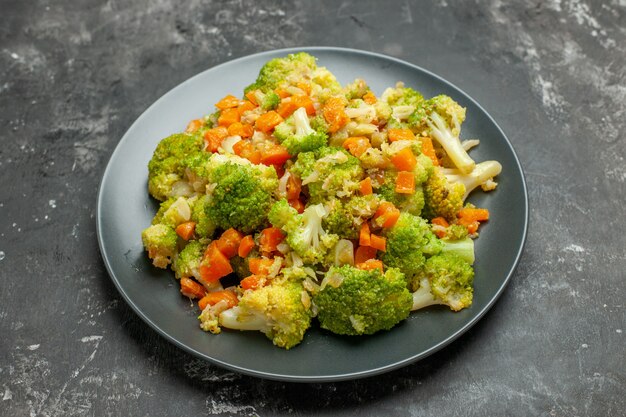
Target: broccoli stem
{"points": [[450, 143], [481, 173]]}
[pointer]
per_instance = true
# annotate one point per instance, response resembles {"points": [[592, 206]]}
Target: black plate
{"points": [[125, 208]]}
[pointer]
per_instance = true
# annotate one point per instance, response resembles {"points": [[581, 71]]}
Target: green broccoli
{"points": [[410, 203], [297, 136], [305, 234], [205, 226], [290, 69], [188, 260], [281, 310], [352, 301], [442, 198], [161, 242], [409, 241], [242, 193], [441, 118], [345, 216], [448, 280], [166, 166], [356, 89], [328, 172], [174, 211]]}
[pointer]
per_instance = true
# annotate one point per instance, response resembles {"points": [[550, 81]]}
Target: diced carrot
{"points": [[252, 282], [215, 264], [194, 125], [269, 239], [400, 134], [469, 223], [370, 265], [365, 186], [185, 230], [227, 102], [268, 121], [363, 253], [305, 101], [246, 246], [260, 266], [297, 204], [275, 155], [405, 182], [357, 145], [246, 150], [240, 129], [370, 98], [378, 242], [304, 86], [190, 288], [364, 235], [245, 106], [213, 138], [250, 95], [282, 93], [386, 215], [280, 169], [404, 160], [215, 297], [228, 117], [429, 150], [229, 242], [335, 114], [472, 227], [440, 221], [286, 108], [294, 187], [473, 214]]}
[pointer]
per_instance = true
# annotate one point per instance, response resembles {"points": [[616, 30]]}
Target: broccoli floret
{"points": [[188, 260], [270, 101], [297, 136], [410, 203], [159, 217], [408, 243], [482, 175], [328, 172], [442, 198], [174, 211], [356, 89], [448, 280], [205, 226], [352, 301], [242, 195], [281, 310], [441, 118], [402, 96], [160, 241], [166, 166], [345, 216], [290, 69], [305, 234], [403, 102]]}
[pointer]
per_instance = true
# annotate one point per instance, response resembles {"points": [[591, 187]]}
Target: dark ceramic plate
{"points": [[124, 209]]}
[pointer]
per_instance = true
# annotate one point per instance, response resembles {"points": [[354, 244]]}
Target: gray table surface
{"points": [[75, 75]]}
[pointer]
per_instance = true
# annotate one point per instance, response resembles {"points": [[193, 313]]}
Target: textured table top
{"points": [[75, 75]]}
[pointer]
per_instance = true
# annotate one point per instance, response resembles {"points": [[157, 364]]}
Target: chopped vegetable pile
{"points": [[308, 200]]}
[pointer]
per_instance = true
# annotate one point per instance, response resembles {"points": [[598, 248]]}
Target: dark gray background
{"points": [[74, 76]]}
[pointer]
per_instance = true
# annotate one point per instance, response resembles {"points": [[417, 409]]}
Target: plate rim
{"points": [[319, 378]]}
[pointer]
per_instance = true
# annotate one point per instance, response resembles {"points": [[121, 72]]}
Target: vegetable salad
{"points": [[306, 201]]}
